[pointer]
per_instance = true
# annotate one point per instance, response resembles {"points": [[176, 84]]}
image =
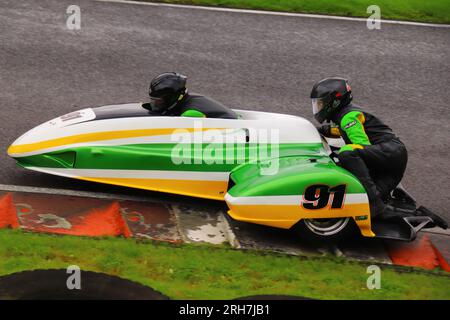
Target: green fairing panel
{"points": [[195, 157], [294, 175]]}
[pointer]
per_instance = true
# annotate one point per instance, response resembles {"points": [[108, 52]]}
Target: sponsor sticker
{"points": [[351, 124]]}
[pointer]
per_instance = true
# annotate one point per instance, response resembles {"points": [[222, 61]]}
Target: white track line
{"points": [[275, 13]]}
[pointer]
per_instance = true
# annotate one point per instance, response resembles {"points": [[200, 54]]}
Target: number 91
{"points": [[318, 196]]}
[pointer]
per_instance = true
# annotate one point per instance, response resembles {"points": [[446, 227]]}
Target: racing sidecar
{"points": [[271, 169]]}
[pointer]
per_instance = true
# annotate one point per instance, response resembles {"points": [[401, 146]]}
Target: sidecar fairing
{"points": [[271, 169]]}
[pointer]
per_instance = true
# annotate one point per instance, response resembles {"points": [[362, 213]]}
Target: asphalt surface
{"points": [[259, 62]]}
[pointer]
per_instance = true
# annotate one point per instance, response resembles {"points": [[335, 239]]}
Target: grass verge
{"points": [[434, 11], [205, 272]]}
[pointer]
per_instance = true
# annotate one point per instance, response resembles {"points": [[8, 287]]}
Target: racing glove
{"points": [[329, 131]]}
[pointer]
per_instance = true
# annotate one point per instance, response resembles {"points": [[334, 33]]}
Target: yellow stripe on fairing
{"points": [[97, 136], [285, 216], [195, 188]]}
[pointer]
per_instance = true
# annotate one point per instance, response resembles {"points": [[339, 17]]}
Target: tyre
{"points": [[52, 285], [325, 230]]}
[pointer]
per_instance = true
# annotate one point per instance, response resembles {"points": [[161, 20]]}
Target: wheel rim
{"points": [[326, 227]]}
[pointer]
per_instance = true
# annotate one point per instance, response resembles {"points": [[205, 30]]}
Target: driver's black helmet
{"points": [[329, 96], [166, 90]]}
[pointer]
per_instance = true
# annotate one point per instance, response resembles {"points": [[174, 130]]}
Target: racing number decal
{"points": [[338, 196], [318, 196]]}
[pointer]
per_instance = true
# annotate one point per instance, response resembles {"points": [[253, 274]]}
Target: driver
{"points": [[373, 153], [169, 97]]}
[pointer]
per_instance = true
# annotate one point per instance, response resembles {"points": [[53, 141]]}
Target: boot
{"points": [[377, 206], [392, 213]]}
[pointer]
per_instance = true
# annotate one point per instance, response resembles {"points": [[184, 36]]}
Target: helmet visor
{"points": [[158, 103], [162, 101], [317, 105]]}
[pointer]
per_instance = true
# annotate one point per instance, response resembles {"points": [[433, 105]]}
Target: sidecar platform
{"points": [[403, 229]]}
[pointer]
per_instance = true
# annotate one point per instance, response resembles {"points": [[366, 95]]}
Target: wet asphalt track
{"points": [[401, 73]]}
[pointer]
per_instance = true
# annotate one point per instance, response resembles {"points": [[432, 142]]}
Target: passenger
{"points": [[373, 153]]}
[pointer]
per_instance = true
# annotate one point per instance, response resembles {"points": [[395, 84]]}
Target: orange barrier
{"points": [[97, 222], [419, 253], [8, 216], [83, 216], [442, 262]]}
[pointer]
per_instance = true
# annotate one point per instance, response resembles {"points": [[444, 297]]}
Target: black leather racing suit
{"points": [[203, 105], [372, 153]]}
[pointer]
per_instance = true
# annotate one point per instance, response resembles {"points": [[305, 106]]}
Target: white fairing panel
{"points": [[286, 128]]}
